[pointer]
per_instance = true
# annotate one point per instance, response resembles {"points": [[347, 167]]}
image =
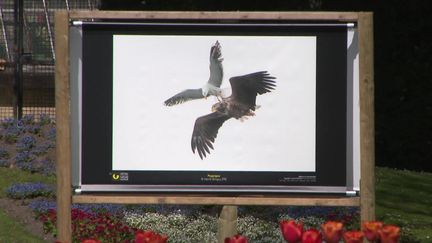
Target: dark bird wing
{"points": [[245, 88], [216, 69], [185, 95], [205, 131]]}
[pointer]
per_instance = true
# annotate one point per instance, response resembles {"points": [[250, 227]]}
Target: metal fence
{"points": [[27, 54]]}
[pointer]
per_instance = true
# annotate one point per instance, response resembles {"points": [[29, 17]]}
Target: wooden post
{"points": [[227, 223], [63, 148], [367, 140]]}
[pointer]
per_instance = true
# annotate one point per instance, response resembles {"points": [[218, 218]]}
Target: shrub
{"points": [[50, 134], [99, 226], [4, 163], [11, 134], [29, 190], [43, 166], [42, 206], [179, 227], [24, 157], [8, 122], [27, 120], [33, 128], [4, 154], [42, 148], [25, 143], [259, 230], [44, 119]]}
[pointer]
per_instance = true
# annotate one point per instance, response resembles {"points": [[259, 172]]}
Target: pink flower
{"points": [[389, 234], [149, 237], [236, 239], [311, 236], [371, 230], [332, 231], [291, 231], [353, 237], [90, 241]]}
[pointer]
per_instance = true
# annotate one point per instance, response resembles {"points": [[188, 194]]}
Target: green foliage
{"points": [[259, 230]]}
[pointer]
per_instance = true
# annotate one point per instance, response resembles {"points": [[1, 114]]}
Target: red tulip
{"points": [[236, 239], [332, 231], [291, 231], [311, 236], [353, 237], [149, 237], [389, 234], [371, 230], [90, 241]]}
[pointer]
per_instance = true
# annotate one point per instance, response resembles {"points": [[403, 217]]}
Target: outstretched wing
{"points": [[205, 131], [216, 70], [245, 88], [185, 95]]}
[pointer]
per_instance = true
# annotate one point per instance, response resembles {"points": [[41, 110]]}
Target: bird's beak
{"points": [[213, 109]]}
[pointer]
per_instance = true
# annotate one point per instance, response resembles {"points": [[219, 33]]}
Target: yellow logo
{"points": [[115, 176]]}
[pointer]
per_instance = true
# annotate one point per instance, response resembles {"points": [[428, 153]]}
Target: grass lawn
{"points": [[11, 231], [404, 198]]}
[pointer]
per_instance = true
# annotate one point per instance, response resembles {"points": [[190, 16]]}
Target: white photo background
{"points": [[149, 136]]}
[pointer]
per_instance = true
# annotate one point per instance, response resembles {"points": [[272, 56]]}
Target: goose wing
{"points": [[185, 95], [216, 69]]}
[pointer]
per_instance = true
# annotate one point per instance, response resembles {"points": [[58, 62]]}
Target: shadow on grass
{"points": [[11, 231], [404, 198]]}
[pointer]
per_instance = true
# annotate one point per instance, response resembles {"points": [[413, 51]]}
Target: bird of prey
{"points": [[212, 87], [240, 105]]}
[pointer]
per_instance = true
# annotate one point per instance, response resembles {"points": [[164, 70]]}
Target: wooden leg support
{"points": [[227, 223]]}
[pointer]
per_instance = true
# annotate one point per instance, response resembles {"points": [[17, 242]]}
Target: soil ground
{"points": [[19, 210]]}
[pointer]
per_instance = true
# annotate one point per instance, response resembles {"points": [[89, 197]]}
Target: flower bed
{"points": [[191, 223], [334, 232], [30, 190], [28, 144]]}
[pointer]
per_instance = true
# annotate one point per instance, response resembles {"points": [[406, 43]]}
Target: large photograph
{"points": [[214, 103]]}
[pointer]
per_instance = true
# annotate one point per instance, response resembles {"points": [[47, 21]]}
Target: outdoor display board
{"points": [[302, 79], [95, 88]]}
